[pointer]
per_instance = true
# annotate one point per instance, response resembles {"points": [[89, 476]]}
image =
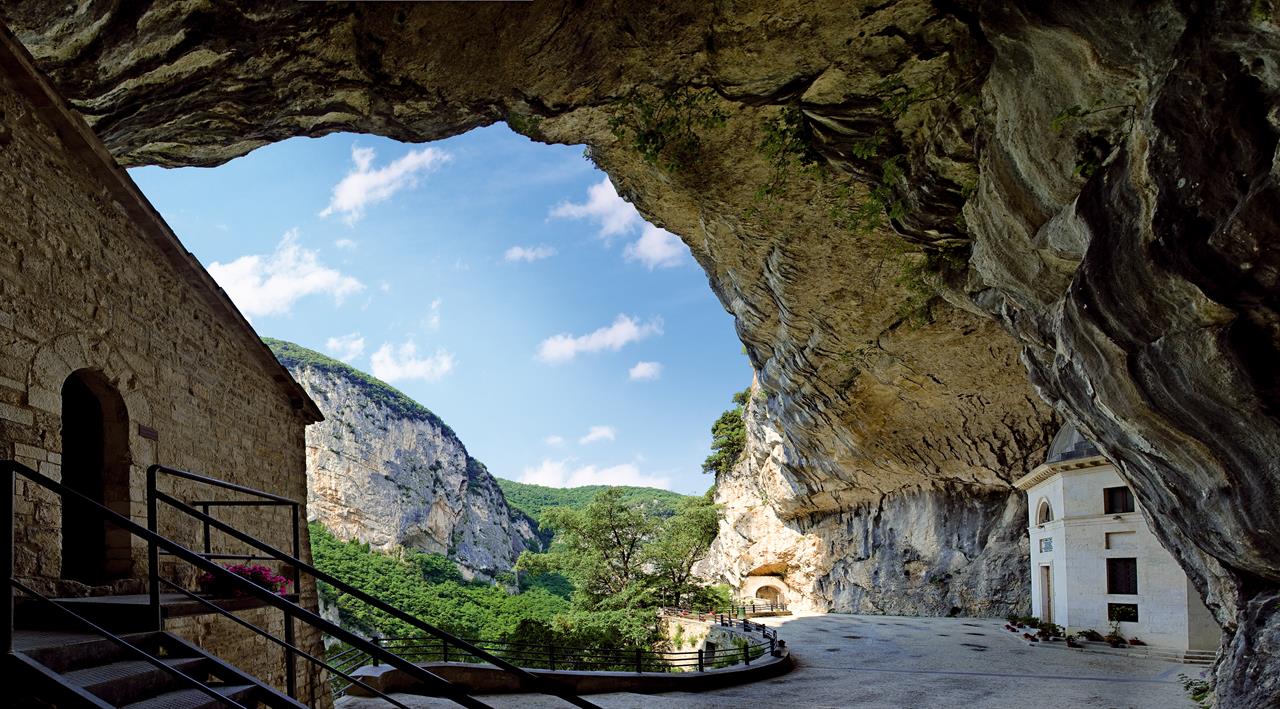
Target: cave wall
{"points": [[1104, 172]]}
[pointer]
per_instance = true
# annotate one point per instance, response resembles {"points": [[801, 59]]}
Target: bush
{"points": [[1050, 630]]}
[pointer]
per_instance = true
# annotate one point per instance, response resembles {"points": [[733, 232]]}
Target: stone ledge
{"points": [[487, 679]]}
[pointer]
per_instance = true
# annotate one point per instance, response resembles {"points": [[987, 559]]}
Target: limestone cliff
{"points": [[384, 470], [1091, 186], [945, 551]]}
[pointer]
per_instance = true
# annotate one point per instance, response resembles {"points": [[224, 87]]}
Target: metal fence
{"points": [[554, 657]]}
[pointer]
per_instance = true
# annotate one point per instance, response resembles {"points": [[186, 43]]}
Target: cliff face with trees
{"points": [[384, 470], [908, 207]]}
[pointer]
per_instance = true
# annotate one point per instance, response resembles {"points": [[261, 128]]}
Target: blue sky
{"points": [[500, 282]]}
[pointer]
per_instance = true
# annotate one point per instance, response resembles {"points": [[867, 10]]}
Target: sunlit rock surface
{"points": [[383, 470], [946, 549], [1106, 169]]}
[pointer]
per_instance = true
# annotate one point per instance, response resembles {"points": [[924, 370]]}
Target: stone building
{"points": [[118, 351], [1094, 561]]}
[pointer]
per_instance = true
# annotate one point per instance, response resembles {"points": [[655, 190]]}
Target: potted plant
{"points": [[220, 586], [1114, 638]]}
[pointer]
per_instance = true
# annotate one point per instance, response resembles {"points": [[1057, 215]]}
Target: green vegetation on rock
{"points": [[534, 500], [397, 402], [728, 436]]}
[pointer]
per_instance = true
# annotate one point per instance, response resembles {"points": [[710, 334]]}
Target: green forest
{"points": [[534, 500], [586, 590]]}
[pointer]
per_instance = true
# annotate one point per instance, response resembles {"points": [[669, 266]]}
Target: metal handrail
{"points": [[223, 612], [130, 647], [175, 472], [529, 679], [265, 499], [447, 689], [558, 657]]}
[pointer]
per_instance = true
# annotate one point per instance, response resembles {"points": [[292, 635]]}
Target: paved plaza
{"points": [[889, 661]]}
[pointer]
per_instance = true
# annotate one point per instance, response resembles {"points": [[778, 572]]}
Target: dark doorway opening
{"points": [[95, 463]]}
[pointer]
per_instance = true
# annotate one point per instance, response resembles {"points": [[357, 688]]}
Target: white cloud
{"points": [[270, 284], [365, 185], [614, 215], [645, 370], [554, 440], [599, 433], [529, 253], [432, 321], [345, 348], [392, 363], [347, 244], [624, 330], [656, 248], [384, 286], [560, 473]]}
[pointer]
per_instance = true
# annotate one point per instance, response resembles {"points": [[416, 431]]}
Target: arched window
{"points": [[1044, 513]]}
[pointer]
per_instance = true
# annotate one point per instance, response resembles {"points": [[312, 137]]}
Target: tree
{"points": [[728, 437], [598, 548], [681, 542]]}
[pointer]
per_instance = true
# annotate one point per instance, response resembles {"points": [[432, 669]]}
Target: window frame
{"points": [[1114, 576], [1127, 497], [1111, 612], [1041, 510]]}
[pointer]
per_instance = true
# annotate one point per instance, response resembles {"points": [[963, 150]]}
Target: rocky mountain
{"points": [[953, 550], [383, 469]]}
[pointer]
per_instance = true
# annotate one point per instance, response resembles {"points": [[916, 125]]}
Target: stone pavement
{"points": [[889, 661]]}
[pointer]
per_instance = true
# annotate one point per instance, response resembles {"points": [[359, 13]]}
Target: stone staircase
{"points": [[71, 669]]}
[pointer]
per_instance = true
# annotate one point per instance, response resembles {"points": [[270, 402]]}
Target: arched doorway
{"points": [[770, 594], [95, 463]]}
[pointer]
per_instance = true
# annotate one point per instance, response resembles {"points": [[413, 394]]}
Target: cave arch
{"points": [[772, 594], [1167, 351]]}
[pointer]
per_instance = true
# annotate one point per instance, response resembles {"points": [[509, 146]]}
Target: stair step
{"points": [[122, 682], [69, 656], [193, 698]]}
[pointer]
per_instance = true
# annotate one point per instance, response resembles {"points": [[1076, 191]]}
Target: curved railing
{"points": [[556, 658]]}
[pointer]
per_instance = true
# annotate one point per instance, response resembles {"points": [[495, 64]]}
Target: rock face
{"points": [[1091, 184], [943, 550], [384, 470]]}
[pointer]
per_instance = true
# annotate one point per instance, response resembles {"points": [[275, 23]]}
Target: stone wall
{"points": [[90, 279]]}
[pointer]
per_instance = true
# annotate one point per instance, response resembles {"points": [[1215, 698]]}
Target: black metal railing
{"points": [[553, 657], [528, 681], [269, 597], [258, 498]]}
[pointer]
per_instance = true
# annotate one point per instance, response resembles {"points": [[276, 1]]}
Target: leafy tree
{"points": [[599, 548], [682, 540], [728, 437]]}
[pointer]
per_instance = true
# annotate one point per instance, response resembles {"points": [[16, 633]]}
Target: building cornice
{"points": [[1047, 470]]}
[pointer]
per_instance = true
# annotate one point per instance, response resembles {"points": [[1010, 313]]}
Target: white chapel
{"points": [[1094, 561]]}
